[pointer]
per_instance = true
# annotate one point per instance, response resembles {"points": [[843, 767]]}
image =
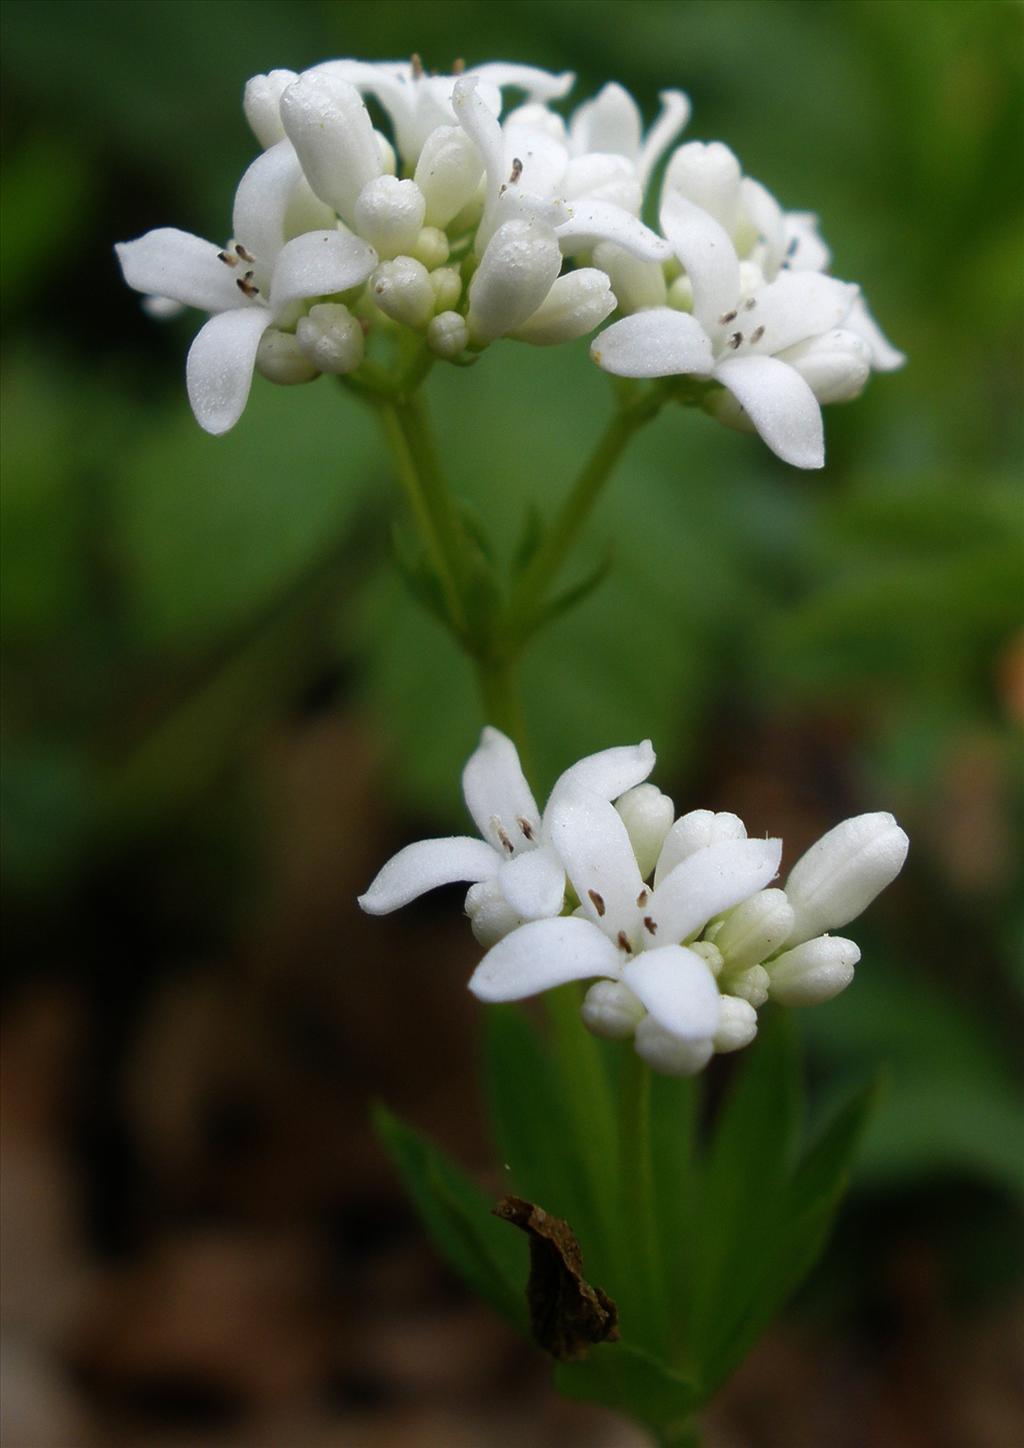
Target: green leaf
{"points": [[490, 1259], [632, 1382], [569, 597]]}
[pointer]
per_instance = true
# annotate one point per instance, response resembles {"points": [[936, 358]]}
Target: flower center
{"points": [[235, 255]]}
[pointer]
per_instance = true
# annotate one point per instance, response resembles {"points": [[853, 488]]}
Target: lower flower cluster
{"points": [[675, 920]]}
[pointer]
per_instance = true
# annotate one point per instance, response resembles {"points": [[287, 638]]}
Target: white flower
{"points": [[262, 279], [628, 933], [515, 869]]}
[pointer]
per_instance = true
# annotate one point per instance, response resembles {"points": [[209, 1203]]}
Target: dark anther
{"points": [[241, 251], [757, 334], [727, 317], [246, 287], [417, 66], [735, 340], [506, 843], [227, 258], [750, 304], [597, 901], [791, 249], [458, 66], [652, 925], [517, 170], [641, 899], [526, 827], [624, 943]]}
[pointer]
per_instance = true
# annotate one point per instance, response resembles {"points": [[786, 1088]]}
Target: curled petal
{"points": [[592, 222], [706, 251], [262, 200], [678, 990], [610, 772], [220, 364], [330, 128], [781, 406], [610, 122], [262, 105], [497, 794], [541, 955], [768, 222], [593, 845], [710, 881], [180, 267], [884, 356], [675, 112], [539, 85], [424, 866], [318, 264], [534, 883], [659, 342]]}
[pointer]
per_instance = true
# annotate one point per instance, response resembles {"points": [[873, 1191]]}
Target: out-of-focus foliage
{"points": [[165, 595]]}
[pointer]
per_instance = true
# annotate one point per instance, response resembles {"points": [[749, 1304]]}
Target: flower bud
{"points": [[388, 159], [813, 972], [835, 365], [389, 214], [447, 284], [262, 105], [667, 1054], [447, 334], [575, 305], [680, 295], [447, 172], [737, 1025], [610, 1009], [647, 815], [840, 875], [637, 284], [431, 247], [402, 290], [709, 954], [694, 831], [330, 128], [516, 272], [750, 985], [331, 338], [491, 917], [280, 359], [751, 932], [708, 174]]}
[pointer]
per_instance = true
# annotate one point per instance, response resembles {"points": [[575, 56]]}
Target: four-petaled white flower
{"points": [[515, 872]]}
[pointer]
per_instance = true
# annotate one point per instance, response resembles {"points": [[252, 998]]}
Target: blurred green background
{"points": [[181, 614]]}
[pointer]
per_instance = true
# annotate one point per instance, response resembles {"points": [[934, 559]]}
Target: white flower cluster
{"points": [[466, 225], [675, 918]]}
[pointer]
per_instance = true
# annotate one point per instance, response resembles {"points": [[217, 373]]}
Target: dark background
{"points": [[222, 712]]}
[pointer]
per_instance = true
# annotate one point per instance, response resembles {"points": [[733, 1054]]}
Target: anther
{"points": [[458, 66], [735, 340], [227, 258], [791, 249], [624, 942], [241, 251], [727, 317], [642, 898], [417, 66], [506, 843], [517, 170], [526, 827], [651, 925], [597, 901], [757, 334], [750, 304], [246, 287]]}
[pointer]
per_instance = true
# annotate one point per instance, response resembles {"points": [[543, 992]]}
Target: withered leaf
{"points": [[567, 1314]]}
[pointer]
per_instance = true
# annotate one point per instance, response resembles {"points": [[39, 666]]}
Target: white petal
{"points": [[706, 251], [609, 122], [180, 267], [647, 815], [710, 881], [543, 954], [576, 304], [542, 159], [497, 794], [318, 264], [600, 177], [261, 204], [593, 845], [707, 174], [695, 831], [516, 272], [220, 364], [534, 883], [539, 85], [262, 105], [678, 990], [659, 342], [491, 917], [425, 865], [448, 172], [884, 356], [636, 284], [610, 772], [781, 406], [331, 130], [841, 874], [805, 248], [675, 112], [592, 222], [768, 222], [835, 366], [481, 125], [795, 306]]}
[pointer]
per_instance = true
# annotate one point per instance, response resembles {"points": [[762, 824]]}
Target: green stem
{"points": [[432, 505], [637, 1201], [542, 569], [497, 679]]}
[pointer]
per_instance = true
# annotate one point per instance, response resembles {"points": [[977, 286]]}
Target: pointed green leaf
{"points": [[631, 1382], [568, 598], [490, 1259]]}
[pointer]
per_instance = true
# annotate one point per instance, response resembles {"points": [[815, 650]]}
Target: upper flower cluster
{"points": [[470, 222], [675, 918]]}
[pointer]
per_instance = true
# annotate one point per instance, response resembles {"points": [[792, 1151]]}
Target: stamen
{"points": [[624, 942], [726, 318], [245, 285], [458, 66], [227, 258], [506, 843], [750, 304], [791, 249], [517, 170], [597, 901], [652, 925], [526, 827], [757, 334], [642, 898], [417, 66], [735, 340], [241, 251]]}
